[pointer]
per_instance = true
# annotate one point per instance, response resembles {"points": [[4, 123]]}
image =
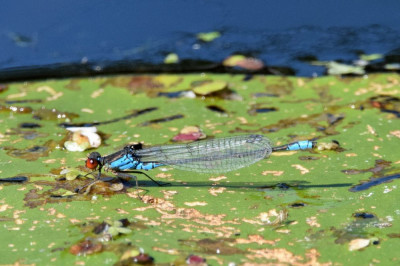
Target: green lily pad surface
{"points": [[337, 204]]}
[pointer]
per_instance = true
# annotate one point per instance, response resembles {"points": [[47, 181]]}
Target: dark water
{"points": [[48, 38]]}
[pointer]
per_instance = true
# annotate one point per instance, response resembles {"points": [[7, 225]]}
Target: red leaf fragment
{"points": [[195, 260]]}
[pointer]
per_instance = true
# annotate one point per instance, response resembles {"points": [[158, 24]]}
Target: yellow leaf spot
{"points": [[300, 82], [218, 178], [19, 221], [395, 133], [60, 215], [50, 161], [283, 231], [312, 221], [4, 207], [196, 203], [17, 95], [274, 173], [121, 211], [216, 191], [87, 110], [168, 251], [97, 93], [242, 120], [54, 94], [302, 169], [371, 130]]}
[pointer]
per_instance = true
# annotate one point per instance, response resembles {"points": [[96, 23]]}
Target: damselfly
{"points": [[206, 156]]}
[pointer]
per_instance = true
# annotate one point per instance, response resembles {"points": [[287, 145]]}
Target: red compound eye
{"points": [[91, 163]]}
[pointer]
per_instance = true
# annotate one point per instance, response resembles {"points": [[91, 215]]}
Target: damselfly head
{"points": [[93, 160]]}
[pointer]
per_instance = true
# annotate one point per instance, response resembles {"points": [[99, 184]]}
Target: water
{"points": [[41, 38]]}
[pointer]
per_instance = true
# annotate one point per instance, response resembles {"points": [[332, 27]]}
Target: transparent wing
{"points": [[210, 156]]}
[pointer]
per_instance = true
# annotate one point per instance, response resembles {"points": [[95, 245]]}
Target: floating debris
{"points": [[72, 173], [208, 36], [196, 260], [333, 145], [83, 138], [171, 58], [118, 228], [359, 243], [241, 61], [189, 133], [274, 217], [86, 247]]}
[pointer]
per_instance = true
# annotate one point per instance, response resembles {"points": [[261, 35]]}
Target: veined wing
{"points": [[210, 156]]}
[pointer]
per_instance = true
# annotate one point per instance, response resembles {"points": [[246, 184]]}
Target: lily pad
{"points": [[371, 57], [210, 87], [334, 204], [244, 62], [208, 36], [171, 58]]}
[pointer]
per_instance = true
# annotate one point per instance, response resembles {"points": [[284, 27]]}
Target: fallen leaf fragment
{"points": [[82, 138], [86, 247], [189, 133], [196, 260]]}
